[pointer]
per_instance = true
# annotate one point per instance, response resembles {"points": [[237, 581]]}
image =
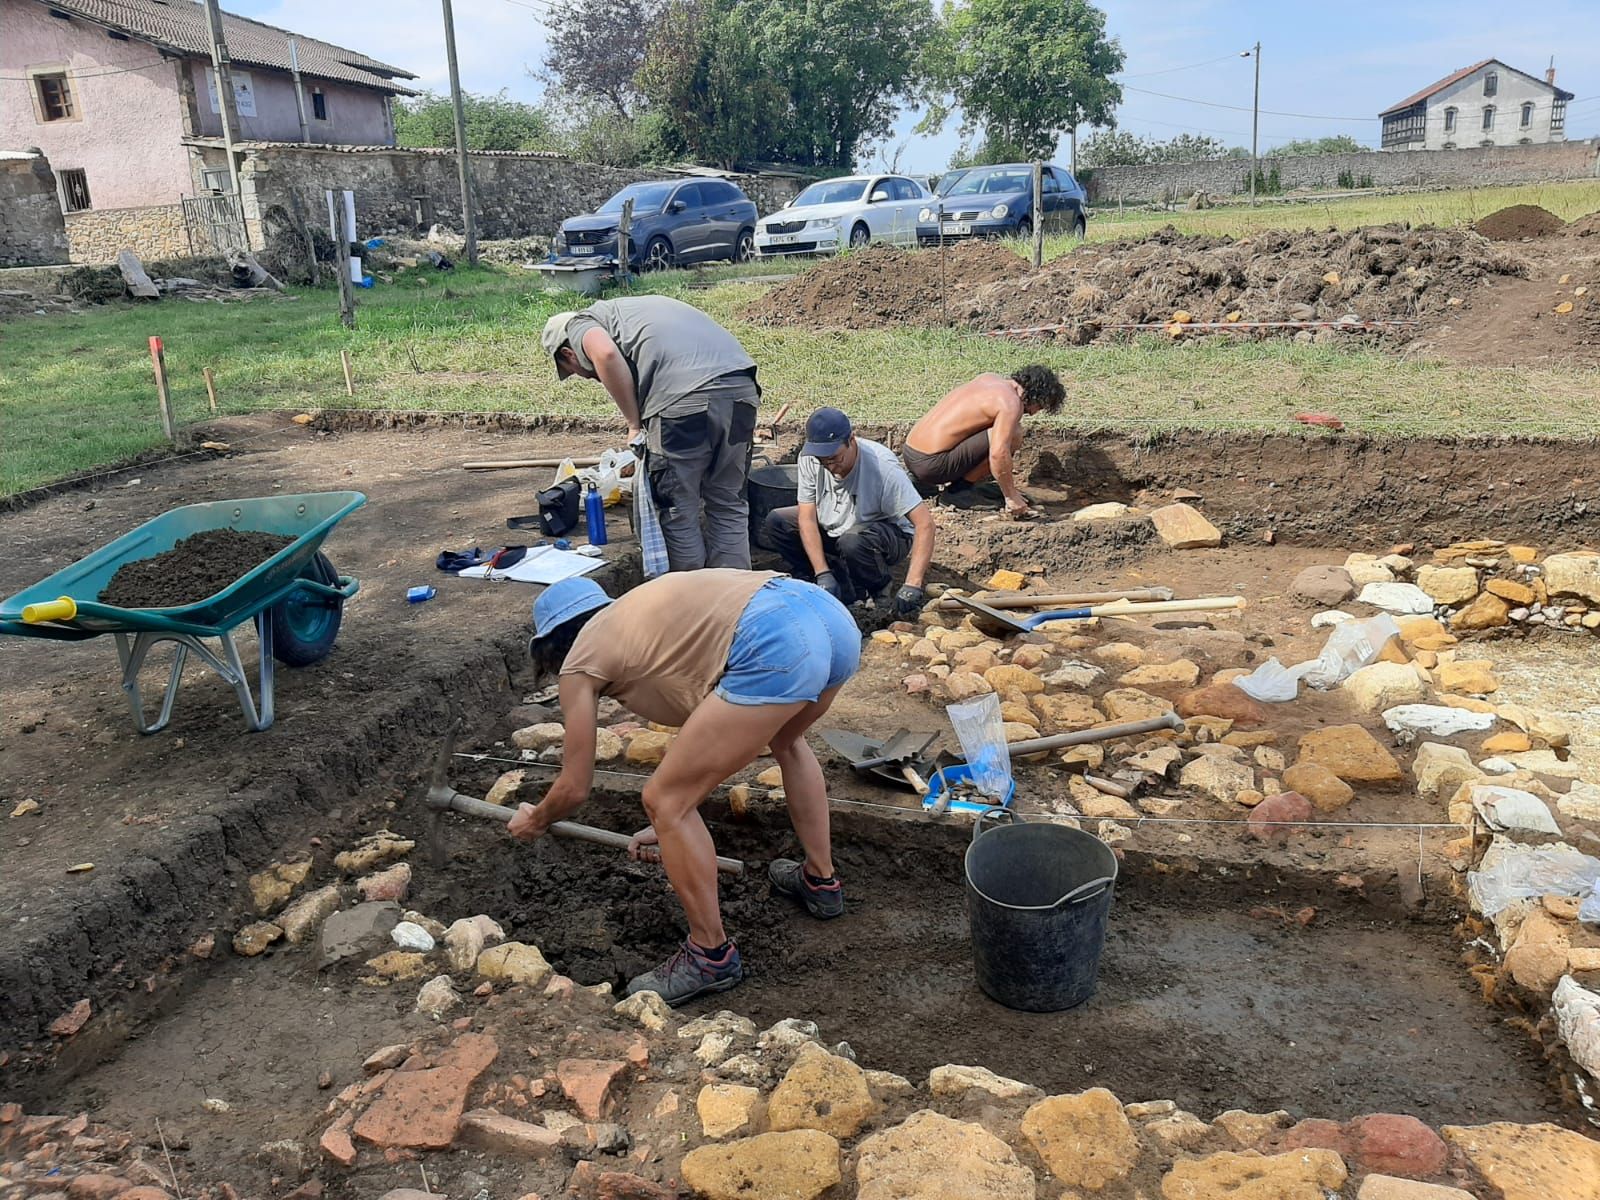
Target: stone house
{"points": [[1486, 104], [120, 96]]}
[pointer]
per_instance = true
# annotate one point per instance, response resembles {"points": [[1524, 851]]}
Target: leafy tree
{"points": [[1340, 144], [846, 67], [493, 122], [592, 131], [1114, 148], [1026, 71], [597, 47]]}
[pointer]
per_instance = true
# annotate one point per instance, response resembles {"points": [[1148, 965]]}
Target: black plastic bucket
{"points": [[1038, 896], [771, 486]]}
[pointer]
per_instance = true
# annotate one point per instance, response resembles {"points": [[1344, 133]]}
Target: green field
{"points": [[76, 392]]}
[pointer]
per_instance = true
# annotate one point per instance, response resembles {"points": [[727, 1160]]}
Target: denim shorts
{"points": [[794, 642]]}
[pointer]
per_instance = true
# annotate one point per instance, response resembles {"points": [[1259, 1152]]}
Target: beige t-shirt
{"points": [[661, 648]]}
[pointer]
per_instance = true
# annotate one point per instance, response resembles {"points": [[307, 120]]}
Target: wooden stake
{"points": [[512, 464], [211, 387], [163, 399], [349, 379], [1038, 214]]}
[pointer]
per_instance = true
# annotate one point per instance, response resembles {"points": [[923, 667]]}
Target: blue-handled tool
{"points": [[998, 624]]}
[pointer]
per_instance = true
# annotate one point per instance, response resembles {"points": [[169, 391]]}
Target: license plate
{"points": [[582, 249], [783, 239], [957, 227]]}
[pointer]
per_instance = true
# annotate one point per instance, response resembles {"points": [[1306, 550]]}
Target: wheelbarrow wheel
{"points": [[305, 624]]}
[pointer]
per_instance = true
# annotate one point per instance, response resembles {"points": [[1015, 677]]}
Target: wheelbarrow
{"points": [[295, 598]]}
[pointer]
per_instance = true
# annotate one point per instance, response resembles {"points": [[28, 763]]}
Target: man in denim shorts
{"points": [[740, 660]]}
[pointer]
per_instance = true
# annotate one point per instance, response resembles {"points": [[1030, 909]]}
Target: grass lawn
{"points": [[77, 393]]}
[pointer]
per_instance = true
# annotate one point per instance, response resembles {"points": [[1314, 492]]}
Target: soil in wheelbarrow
{"points": [[199, 566]]}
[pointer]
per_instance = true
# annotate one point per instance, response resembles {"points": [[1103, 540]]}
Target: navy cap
{"points": [[826, 432]]}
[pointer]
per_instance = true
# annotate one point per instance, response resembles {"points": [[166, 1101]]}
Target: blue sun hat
{"points": [[565, 599]]}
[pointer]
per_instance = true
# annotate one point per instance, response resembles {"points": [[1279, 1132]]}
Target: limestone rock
{"points": [[374, 850], [1179, 673], [951, 1080], [305, 916], [1074, 674], [1323, 586], [1068, 713], [539, 737], [1222, 700], [1351, 753], [1007, 677], [1326, 791], [1472, 676], [1179, 1131], [1486, 611], [1513, 741], [1510, 589], [1440, 720], [608, 746], [1301, 1175], [1387, 1187], [647, 1008], [270, 889], [966, 685], [726, 1109], [647, 746], [1576, 574], [254, 938], [932, 1157], [1131, 704], [397, 964], [1016, 731], [1084, 1139], [1448, 585], [1249, 1129], [501, 1134], [515, 962], [730, 1023], [391, 883], [1020, 714], [1581, 803], [1382, 685], [1538, 957], [1217, 776], [1531, 1162], [463, 943], [1396, 597], [1111, 510], [1156, 761], [1121, 655], [504, 789], [1365, 568], [437, 997], [798, 1164], [1441, 769], [821, 1091], [1183, 528]]}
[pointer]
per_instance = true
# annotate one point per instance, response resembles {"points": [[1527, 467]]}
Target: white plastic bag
{"points": [[614, 476], [982, 733], [1351, 646], [1510, 871], [1271, 681]]}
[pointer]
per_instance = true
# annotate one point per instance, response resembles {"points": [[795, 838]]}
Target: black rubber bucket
{"points": [[1038, 896], [771, 486]]}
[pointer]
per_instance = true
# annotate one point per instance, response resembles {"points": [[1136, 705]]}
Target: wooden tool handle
{"points": [[1205, 604], [918, 784]]}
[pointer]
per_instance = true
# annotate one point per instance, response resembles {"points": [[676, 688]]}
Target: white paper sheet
{"points": [[542, 564]]}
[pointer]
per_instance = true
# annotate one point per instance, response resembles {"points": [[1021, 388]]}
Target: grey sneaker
{"points": [[690, 973], [789, 879]]}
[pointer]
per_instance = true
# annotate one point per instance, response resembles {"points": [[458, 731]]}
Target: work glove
{"points": [[828, 583], [908, 601]]}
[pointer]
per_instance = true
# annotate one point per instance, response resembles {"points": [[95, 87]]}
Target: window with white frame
{"points": [[1527, 115], [1558, 116]]}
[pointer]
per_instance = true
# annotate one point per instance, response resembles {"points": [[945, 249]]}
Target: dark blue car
{"points": [[676, 222], [997, 201]]}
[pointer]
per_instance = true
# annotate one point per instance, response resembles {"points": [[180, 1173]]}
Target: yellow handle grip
{"points": [[63, 609]]}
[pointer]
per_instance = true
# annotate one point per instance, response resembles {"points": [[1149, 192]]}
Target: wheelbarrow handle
{"points": [[64, 609]]}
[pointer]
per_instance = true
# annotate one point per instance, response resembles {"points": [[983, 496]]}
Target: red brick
{"points": [[588, 1083], [74, 1019], [1315, 1134], [10, 1112], [507, 1135], [336, 1143], [1392, 1144], [584, 1182]]}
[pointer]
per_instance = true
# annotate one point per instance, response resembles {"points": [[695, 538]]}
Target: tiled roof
{"points": [[180, 26], [1457, 76]]}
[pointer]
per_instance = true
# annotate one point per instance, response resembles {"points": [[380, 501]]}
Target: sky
{"points": [[1337, 66]]}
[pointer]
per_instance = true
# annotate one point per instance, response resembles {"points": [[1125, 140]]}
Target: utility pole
{"points": [[469, 224], [1255, 124], [299, 91], [222, 72]]}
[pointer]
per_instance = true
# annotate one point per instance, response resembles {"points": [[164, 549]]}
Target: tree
{"points": [[493, 122], [592, 131], [846, 67], [597, 47], [1301, 147], [1026, 71], [1115, 148]]}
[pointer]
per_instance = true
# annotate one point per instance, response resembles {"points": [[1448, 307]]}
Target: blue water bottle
{"points": [[594, 516]]}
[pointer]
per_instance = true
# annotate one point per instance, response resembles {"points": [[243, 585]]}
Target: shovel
{"points": [[998, 624], [901, 760]]}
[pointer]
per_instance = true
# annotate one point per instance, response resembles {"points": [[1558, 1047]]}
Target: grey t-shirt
{"points": [[878, 489], [673, 348]]}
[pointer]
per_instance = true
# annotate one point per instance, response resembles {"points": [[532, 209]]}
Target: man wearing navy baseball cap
{"points": [[858, 518]]}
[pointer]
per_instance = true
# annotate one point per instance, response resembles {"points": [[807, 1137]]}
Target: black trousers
{"points": [[862, 558]]}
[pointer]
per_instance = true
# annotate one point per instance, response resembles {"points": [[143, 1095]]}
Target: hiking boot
{"points": [[823, 901], [983, 496], [690, 972]]}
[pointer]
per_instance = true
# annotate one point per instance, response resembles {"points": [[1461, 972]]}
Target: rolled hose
{"points": [[63, 609]]}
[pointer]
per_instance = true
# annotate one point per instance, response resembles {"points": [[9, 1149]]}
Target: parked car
{"points": [[998, 202], [675, 222], [852, 211]]}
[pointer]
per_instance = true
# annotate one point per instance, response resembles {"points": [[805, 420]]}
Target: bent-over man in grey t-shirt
{"points": [[859, 516], [688, 391]]}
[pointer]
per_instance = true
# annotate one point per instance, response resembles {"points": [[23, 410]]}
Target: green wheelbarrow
{"points": [[295, 598]]}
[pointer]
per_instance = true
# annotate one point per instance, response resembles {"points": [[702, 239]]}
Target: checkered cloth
{"points": [[647, 520]]}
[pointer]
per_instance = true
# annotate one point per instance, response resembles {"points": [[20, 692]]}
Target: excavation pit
{"points": [[1211, 993]]}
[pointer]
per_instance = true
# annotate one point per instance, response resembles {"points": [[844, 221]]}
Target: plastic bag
{"points": [[1271, 681], [1514, 872], [1589, 910], [1351, 646], [614, 476], [982, 734]]}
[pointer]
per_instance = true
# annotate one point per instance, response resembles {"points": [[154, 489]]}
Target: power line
{"points": [[1266, 112], [71, 74], [1171, 70]]}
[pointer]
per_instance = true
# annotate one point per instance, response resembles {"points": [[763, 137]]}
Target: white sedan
{"points": [[836, 213]]}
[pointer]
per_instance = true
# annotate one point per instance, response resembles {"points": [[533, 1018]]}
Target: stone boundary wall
{"points": [[157, 231], [31, 230], [405, 190], [1472, 167]]}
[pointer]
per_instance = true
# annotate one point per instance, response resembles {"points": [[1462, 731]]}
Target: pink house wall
{"points": [[356, 116], [127, 131]]}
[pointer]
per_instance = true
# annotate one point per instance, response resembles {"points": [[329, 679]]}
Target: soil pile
{"points": [[201, 565], [1385, 271], [1520, 221], [1588, 226], [882, 287]]}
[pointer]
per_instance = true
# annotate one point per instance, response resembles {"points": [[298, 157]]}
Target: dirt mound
{"points": [[1520, 221], [1588, 226], [1385, 271], [882, 287], [201, 565]]}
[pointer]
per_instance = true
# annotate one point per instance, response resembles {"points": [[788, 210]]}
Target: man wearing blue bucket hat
{"points": [[739, 660]]}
